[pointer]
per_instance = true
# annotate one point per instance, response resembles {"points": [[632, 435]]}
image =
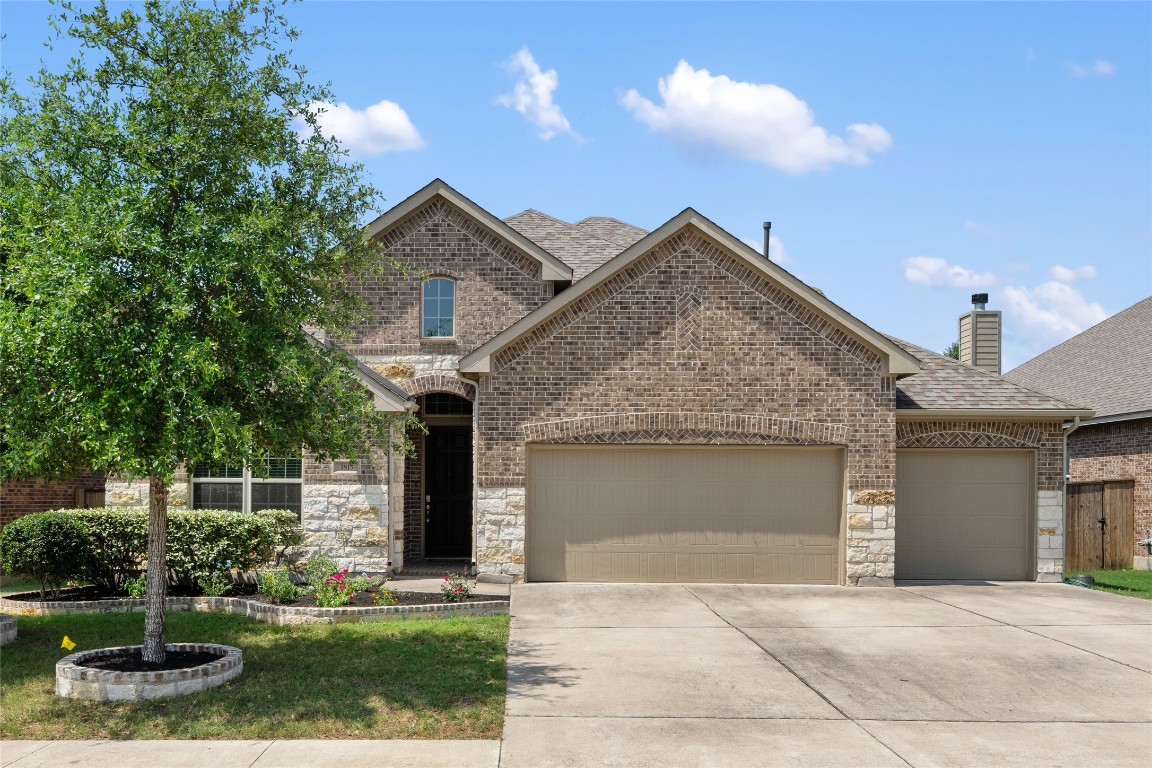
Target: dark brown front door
{"points": [[448, 492]]}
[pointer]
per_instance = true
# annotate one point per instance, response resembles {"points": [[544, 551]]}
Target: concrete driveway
{"points": [[926, 675]]}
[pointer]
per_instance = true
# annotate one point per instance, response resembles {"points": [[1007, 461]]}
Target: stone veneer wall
{"points": [[500, 531], [1119, 450], [1046, 438]]}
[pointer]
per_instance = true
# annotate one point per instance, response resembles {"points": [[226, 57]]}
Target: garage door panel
{"points": [[964, 514], [684, 514]]}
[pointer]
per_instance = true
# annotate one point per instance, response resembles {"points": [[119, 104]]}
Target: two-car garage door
{"points": [[684, 514]]}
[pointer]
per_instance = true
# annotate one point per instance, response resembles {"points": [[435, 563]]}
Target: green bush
{"points": [[201, 543], [278, 585], [118, 539], [51, 547]]}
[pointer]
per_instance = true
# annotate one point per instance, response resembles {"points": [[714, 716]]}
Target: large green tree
{"points": [[172, 216]]}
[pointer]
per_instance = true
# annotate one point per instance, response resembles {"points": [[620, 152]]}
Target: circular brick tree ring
{"points": [[74, 680]]}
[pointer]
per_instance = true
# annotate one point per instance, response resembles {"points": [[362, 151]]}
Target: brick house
{"points": [[604, 403], [1108, 368]]}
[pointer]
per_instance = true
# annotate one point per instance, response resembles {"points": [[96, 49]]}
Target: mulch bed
{"points": [[362, 599], [133, 662]]}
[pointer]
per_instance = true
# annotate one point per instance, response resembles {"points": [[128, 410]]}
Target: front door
{"points": [[448, 492]]}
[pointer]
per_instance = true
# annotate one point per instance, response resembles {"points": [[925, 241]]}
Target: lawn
{"points": [[1124, 582], [415, 679], [18, 586]]}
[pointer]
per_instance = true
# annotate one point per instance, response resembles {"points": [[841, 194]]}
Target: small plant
{"points": [[317, 569], [215, 584], [456, 588], [385, 596], [277, 584], [136, 587]]}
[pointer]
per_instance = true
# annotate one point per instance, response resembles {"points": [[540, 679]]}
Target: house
{"points": [[1109, 369], [604, 403]]}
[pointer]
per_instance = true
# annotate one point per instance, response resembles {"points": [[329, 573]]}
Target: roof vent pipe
{"points": [[767, 236]]}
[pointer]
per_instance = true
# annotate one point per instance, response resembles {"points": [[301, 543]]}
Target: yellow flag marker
{"points": [[68, 644]]}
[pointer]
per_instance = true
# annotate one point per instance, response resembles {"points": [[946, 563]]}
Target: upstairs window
{"points": [[439, 308], [227, 486]]}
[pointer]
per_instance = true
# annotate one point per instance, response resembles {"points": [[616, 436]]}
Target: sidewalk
{"points": [[250, 754]]}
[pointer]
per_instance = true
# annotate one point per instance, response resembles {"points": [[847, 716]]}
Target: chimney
{"points": [[980, 336]]}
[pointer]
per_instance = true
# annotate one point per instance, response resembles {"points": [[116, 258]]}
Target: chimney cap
{"points": [[979, 300]]}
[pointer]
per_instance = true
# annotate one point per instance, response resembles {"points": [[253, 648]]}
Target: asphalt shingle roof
{"points": [[948, 383], [582, 246], [1107, 367]]}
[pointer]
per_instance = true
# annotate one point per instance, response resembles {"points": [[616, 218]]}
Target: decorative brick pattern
{"points": [[438, 382], [1119, 450], [496, 284], [688, 321], [606, 357], [1046, 437]]}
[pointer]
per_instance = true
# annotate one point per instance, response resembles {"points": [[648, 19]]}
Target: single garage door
{"points": [[684, 514], [964, 514]]}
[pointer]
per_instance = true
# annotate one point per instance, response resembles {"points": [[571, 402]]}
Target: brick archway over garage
{"points": [[679, 427]]}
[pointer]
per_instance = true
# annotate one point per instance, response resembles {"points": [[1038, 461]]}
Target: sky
{"points": [[907, 154]]}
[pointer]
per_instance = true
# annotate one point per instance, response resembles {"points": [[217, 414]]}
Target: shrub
{"points": [[455, 588], [199, 541], [51, 547], [136, 587], [117, 541], [216, 584], [318, 569], [277, 584]]}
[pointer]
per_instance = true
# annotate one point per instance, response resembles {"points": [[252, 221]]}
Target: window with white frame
{"points": [[227, 486], [439, 315]]}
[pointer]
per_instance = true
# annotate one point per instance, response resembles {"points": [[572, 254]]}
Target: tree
{"points": [[172, 217], [952, 350]]}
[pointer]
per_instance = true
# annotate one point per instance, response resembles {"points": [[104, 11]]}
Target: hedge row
{"points": [[107, 547]]}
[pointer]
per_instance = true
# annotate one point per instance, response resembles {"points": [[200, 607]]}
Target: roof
{"points": [[1107, 367], [944, 384], [551, 267], [583, 246], [898, 360]]}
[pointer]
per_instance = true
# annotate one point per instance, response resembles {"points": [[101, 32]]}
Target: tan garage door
{"points": [[964, 514], [684, 514]]}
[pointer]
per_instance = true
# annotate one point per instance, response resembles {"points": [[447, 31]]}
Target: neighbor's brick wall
{"points": [[688, 329], [1117, 451], [495, 285], [23, 497]]}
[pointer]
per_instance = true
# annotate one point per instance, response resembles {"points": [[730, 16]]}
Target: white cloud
{"points": [[1100, 68], [933, 272], [753, 121], [1066, 275], [1050, 313], [532, 96], [381, 127]]}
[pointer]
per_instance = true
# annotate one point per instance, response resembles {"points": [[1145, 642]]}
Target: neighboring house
{"points": [[1107, 368], [608, 404], [23, 497]]}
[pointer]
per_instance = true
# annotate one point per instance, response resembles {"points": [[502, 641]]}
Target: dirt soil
{"points": [[132, 662], [362, 599]]}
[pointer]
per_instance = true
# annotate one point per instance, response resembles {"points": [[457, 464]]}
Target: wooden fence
{"points": [[1100, 529]]}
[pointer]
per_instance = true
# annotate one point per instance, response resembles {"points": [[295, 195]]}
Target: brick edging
{"points": [[278, 615], [74, 680]]}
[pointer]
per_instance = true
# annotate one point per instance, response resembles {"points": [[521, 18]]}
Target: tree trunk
{"points": [[157, 574]]}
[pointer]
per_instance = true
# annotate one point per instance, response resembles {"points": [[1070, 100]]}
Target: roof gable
{"points": [[552, 268], [1107, 367], [898, 361]]}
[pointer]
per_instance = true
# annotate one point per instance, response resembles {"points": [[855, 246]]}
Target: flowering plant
{"points": [[455, 588], [339, 588]]}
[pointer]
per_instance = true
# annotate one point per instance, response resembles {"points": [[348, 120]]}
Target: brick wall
{"points": [[688, 329], [495, 285], [22, 497], [1117, 451]]}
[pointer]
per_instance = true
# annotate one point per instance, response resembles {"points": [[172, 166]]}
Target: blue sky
{"points": [[908, 154]]}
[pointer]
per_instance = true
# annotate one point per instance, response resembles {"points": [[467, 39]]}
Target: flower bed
{"points": [[278, 615], [75, 680]]}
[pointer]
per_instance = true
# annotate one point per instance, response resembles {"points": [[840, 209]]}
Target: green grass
{"points": [[15, 586], [1124, 582], [416, 679]]}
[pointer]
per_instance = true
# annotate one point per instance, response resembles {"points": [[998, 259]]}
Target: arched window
{"points": [[439, 308]]}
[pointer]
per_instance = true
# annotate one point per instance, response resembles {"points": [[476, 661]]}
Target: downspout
{"points": [[1067, 474], [391, 503], [475, 469]]}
